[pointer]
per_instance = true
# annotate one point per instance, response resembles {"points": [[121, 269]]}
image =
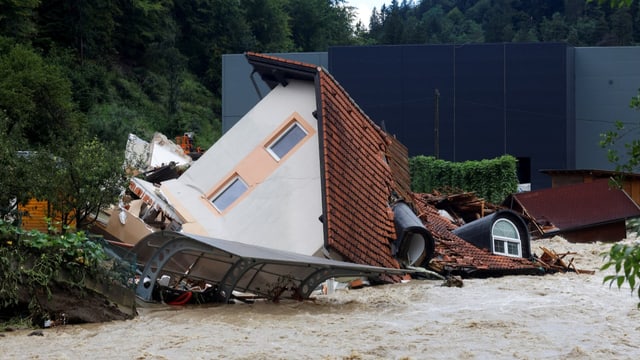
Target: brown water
{"points": [[516, 317]]}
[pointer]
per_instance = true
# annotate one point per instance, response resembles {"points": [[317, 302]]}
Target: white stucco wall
{"points": [[282, 210]]}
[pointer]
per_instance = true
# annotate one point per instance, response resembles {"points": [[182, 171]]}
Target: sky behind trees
{"points": [[364, 8]]}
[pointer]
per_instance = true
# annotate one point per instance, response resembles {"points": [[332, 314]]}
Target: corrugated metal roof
{"points": [[579, 205]]}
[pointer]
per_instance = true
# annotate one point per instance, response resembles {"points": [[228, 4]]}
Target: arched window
{"points": [[506, 238]]}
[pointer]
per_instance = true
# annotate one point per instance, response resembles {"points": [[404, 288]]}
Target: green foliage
{"points": [[625, 259], [590, 23], [30, 260], [614, 3], [36, 97], [630, 160], [492, 180], [79, 181], [17, 18], [318, 24], [269, 24]]}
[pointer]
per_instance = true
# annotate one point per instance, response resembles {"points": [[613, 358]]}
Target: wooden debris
{"points": [[555, 261], [463, 206]]}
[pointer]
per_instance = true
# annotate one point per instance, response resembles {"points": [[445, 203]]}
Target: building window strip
{"points": [[234, 190], [282, 145]]}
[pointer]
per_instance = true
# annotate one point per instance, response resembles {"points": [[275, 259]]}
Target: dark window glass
{"points": [[287, 141], [230, 194]]}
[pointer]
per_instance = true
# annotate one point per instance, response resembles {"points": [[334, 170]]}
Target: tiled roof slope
{"points": [[577, 206], [456, 256], [398, 159], [357, 181]]}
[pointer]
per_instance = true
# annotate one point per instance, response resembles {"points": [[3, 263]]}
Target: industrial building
{"points": [[544, 103]]}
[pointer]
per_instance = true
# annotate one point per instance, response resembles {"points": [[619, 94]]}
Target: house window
{"points": [[229, 194], [287, 141], [506, 238]]}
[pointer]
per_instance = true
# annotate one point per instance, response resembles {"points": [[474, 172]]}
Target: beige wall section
{"points": [[282, 207], [258, 165]]}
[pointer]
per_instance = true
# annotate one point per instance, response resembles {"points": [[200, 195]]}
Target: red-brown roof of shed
{"points": [[578, 205]]}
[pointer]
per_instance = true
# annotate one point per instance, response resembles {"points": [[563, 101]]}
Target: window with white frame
{"points": [[287, 141], [230, 193], [506, 238]]}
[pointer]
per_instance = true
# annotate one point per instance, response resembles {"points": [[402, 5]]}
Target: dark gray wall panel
{"points": [[238, 91]]}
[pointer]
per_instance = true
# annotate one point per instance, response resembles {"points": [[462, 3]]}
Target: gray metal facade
{"points": [[606, 80], [239, 92]]}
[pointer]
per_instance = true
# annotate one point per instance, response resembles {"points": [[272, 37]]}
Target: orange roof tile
{"points": [[357, 179]]}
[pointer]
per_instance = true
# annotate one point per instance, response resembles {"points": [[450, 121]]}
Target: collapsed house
{"points": [[305, 187]]}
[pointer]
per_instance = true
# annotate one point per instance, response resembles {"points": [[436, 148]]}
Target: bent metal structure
{"points": [[223, 268]]}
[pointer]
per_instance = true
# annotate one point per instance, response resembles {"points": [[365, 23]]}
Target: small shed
{"points": [[630, 183], [582, 212]]}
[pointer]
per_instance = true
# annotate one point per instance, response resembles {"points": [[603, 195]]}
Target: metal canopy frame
{"points": [[232, 266]]}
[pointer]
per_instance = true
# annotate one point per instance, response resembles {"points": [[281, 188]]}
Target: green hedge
{"points": [[492, 180]]}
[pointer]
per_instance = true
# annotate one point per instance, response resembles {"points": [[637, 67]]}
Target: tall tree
{"points": [[496, 22], [318, 24], [269, 24], [554, 29], [83, 179], [140, 24], [622, 26], [36, 97], [17, 18], [436, 26], [209, 29], [87, 26], [584, 32], [393, 28]]}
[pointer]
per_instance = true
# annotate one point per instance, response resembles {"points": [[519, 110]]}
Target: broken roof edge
{"points": [[154, 198], [559, 232]]}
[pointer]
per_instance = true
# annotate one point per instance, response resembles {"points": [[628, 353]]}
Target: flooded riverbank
{"points": [[565, 315]]}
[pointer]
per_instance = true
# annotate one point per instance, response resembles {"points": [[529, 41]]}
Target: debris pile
{"points": [[557, 262]]}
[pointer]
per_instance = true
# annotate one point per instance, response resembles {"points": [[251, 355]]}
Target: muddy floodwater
{"points": [[559, 316]]}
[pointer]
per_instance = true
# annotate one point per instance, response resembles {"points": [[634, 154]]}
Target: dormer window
{"points": [[506, 238], [287, 141], [230, 193]]}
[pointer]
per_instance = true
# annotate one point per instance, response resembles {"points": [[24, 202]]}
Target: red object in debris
{"points": [[182, 299]]}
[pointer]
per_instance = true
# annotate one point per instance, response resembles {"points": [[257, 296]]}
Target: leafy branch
{"points": [[625, 259]]}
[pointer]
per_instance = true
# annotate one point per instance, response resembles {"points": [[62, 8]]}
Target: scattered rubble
{"points": [[557, 261]]}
